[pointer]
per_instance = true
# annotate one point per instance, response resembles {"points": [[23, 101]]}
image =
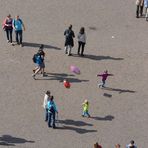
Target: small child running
{"points": [[104, 77], [85, 109]]}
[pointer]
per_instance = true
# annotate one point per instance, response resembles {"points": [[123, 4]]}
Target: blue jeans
{"points": [[51, 118], [46, 114], [85, 113], [19, 36]]}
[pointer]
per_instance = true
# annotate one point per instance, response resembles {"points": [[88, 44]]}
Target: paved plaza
{"points": [[116, 41]]}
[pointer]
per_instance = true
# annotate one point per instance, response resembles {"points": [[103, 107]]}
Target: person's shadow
{"points": [[99, 57], [106, 118], [36, 45], [75, 123], [119, 90], [69, 124], [60, 77], [7, 140]]}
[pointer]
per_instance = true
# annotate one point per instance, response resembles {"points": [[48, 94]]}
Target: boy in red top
{"points": [[104, 77]]}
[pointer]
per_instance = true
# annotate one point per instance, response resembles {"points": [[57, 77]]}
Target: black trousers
{"points": [[139, 11], [19, 36], [9, 35], [81, 45]]}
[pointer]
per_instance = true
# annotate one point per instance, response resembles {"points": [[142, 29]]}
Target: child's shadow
{"points": [[106, 118]]}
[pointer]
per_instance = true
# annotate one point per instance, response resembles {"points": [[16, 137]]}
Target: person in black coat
{"points": [[69, 43]]}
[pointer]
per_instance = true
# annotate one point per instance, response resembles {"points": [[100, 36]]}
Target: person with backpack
{"points": [[46, 99], [37, 59], [42, 54], [7, 26], [18, 26], [52, 110], [69, 43], [81, 41]]}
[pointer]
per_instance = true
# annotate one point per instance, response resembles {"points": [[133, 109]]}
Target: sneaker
{"points": [[8, 41], [21, 45], [33, 75], [12, 44], [69, 54]]}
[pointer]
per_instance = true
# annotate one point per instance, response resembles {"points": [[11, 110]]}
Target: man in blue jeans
{"points": [[52, 110], [18, 26]]}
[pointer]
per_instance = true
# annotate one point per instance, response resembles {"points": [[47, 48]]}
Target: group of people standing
{"points": [[69, 42], [139, 10], [50, 109], [10, 24]]}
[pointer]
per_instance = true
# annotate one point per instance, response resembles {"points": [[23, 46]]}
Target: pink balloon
{"points": [[75, 69]]}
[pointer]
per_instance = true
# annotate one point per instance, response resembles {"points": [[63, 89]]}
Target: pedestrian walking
{"points": [[81, 41], [7, 26], [37, 59], [104, 78], [18, 26], [46, 99], [52, 110], [69, 43], [146, 9], [131, 144], [42, 54], [85, 105], [139, 9]]}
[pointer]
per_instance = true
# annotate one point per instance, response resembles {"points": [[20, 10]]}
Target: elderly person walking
{"points": [[139, 10]]}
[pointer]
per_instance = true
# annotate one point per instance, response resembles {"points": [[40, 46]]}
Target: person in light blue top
{"points": [[18, 26], [52, 110], [146, 9]]}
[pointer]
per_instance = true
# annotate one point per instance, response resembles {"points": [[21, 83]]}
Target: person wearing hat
{"points": [[7, 26], [131, 144], [85, 105], [46, 99]]}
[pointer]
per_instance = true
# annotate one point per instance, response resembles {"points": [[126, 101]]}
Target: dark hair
{"points": [[132, 142], [41, 46], [51, 98], [70, 26], [82, 30], [132, 146], [48, 92]]}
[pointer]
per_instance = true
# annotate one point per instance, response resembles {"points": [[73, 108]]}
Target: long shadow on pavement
{"points": [[78, 130], [7, 140], [35, 45], [106, 118], [119, 90], [99, 57], [60, 77], [73, 122]]}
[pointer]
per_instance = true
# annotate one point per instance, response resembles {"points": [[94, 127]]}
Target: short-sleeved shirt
{"points": [[17, 24]]}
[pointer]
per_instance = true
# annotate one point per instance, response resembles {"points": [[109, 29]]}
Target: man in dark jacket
{"points": [[69, 43]]}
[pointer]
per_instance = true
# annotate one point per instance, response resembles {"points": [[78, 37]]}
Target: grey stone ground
{"points": [[120, 114]]}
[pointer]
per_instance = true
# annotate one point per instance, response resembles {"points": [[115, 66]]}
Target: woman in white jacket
{"points": [[81, 41]]}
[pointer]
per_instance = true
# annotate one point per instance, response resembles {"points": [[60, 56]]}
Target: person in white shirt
{"points": [[81, 41], [46, 99]]}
